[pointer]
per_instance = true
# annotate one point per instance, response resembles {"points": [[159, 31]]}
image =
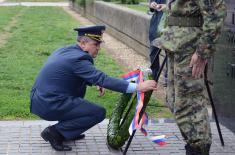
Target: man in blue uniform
{"points": [[58, 92], [153, 34]]}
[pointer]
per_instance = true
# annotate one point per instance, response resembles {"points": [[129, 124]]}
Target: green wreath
{"points": [[123, 114]]}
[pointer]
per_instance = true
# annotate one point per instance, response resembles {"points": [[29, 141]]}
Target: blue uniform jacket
{"points": [[62, 82]]}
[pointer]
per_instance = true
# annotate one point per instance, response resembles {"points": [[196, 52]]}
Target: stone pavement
{"points": [[2, 3], [23, 138]]}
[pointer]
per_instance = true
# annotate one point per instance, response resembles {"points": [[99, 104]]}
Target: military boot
{"points": [[193, 151], [55, 138]]}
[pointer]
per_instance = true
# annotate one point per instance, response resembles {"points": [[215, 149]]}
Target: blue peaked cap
{"points": [[94, 32]]}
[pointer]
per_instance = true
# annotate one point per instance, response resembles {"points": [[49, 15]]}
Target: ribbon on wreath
{"points": [[137, 77]]}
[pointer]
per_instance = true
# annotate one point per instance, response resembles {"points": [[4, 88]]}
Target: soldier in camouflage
{"points": [[192, 27]]}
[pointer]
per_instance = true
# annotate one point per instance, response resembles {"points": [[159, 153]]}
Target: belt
{"points": [[185, 21]]}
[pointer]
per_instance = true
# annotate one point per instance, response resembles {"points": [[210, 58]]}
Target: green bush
{"points": [[130, 1], [124, 1], [81, 3]]}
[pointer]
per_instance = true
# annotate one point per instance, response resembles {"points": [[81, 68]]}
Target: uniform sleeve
{"points": [[85, 70], [213, 13]]}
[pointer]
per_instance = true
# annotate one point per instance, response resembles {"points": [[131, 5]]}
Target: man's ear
{"points": [[82, 43]]}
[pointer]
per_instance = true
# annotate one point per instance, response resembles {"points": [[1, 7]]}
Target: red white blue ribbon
{"points": [[137, 77], [160, 140], [131, 76]]}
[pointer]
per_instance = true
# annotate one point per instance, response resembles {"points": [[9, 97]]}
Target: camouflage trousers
{"points": [[187, 100]]}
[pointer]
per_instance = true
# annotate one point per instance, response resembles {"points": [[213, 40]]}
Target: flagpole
{"points": [[143, 109], [212, 105]]}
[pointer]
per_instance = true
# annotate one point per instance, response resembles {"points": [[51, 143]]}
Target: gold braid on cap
{"points": [[94, 36]]}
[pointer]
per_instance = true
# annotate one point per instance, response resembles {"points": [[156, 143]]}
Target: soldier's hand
{"points": [[153, 5], [160, 7], [146, 86], [198, 65], [156, 6], [101, 90]]}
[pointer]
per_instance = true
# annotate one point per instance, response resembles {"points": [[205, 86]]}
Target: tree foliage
{"points": [[124, 1], [130, 1]]}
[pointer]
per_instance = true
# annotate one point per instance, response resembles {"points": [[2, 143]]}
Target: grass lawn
{"points": [[137, 7], [6, 14], [38, 32], [33, 38]]}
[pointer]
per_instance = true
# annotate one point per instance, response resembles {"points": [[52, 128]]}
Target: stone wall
{"points": [[224, 71], [126, 25]]}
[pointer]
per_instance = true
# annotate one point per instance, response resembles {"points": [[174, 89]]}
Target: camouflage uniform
{"points": [[185, 95]]}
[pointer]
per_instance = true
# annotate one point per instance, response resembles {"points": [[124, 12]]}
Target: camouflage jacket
{"points": [[175, 38]]}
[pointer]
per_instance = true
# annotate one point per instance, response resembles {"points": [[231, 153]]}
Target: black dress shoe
{"points": [[55, 139], [82, 136]]}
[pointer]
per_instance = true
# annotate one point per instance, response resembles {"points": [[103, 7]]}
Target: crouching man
{"points": [[58, 92]]}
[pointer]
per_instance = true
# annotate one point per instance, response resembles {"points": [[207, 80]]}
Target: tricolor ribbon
{"points": [[160, 140], [137, 77], [131, 76]]}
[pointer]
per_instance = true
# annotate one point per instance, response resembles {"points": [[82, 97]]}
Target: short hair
{"points": [[83, 38]]}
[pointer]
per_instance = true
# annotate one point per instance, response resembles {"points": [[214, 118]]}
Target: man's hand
{"points": [[158, 7], [198, 65], [146, 86], [101, 90], [153, 5]]}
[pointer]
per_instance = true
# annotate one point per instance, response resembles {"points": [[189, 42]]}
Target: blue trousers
{"points": [[153, 35], [79, 119], [155, 65], [154, 22]]}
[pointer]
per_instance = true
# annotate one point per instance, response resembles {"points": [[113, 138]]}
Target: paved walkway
{"points": [[2, 3], [23, 138]]}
